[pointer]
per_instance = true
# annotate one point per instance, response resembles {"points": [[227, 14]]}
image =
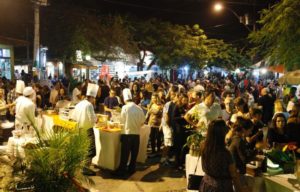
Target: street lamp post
{"points": [[219, 7], [36, 41]]}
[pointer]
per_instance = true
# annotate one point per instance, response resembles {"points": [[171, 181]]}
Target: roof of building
{"points": [[13, 41]]}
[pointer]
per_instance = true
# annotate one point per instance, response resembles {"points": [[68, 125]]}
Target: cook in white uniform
{"points": [[85, 115], [132, 116], [25, 109]]}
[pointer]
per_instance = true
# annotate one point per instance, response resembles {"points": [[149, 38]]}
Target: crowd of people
{"points": [[231, 113]]}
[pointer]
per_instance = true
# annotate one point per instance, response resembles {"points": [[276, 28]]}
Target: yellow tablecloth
{"points": [[47, 123]]}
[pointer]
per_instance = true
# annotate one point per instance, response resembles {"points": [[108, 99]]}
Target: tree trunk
{"points": [[152, 63], [140, 64]]}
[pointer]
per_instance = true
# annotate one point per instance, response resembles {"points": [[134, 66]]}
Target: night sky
{"points": [[17, 15]]}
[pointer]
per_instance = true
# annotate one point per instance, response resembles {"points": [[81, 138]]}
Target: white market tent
{"points": [[291, 78]]}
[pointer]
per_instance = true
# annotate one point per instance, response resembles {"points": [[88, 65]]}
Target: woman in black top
{"points": [[217, 163], [278, 132], [238, 145]]}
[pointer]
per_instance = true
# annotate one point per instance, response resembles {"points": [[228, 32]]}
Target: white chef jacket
{"points": [[25, 112], [84, 114], [132, 116]]}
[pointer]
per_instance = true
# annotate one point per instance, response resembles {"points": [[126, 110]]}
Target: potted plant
{"points": [[193, 143], [53, 163]]}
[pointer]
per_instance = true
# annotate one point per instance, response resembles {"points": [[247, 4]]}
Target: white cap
{"points": [[127, 94], [20, 85], [28, 91], [92, 90]]}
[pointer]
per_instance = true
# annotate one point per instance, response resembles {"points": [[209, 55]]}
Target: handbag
{"points": [[194, 180]]}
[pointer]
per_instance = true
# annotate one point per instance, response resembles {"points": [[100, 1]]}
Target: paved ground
{"points": [[148, 177]]}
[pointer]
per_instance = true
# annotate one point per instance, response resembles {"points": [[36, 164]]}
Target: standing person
{"points": [[11, 97], [154, 115], [167, 133], [278, 132], [257, 135], [25, 109], [228, 110], [267, 104], [200, 115], [195, 98], [54, 94], [132, 116], [104, 91], [145, 100], [136, 93], [110, 102], [217, 163], [85, 116], [180, 132], [238, 148], [2, 104], [76, 94]]}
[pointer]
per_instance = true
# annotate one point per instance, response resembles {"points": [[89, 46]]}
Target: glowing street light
{"points": [[218, 7]]}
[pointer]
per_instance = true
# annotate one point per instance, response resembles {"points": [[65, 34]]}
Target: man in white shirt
{"points": [[200, 115], [86, 118], [25, 109], [132, 116]]}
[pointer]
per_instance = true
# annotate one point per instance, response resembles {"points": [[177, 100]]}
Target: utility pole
{"points": [[36, 41]]}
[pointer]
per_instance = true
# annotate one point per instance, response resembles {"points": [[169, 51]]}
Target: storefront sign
{"points": [[79, 56], [5, 53], [104, 72]]}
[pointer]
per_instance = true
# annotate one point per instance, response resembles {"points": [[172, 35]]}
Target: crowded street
{"points": [[95, 97]]}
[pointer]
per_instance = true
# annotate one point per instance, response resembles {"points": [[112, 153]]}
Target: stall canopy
{"points": [[84, 66], [265, 64], [291, 78], [276, 69]]}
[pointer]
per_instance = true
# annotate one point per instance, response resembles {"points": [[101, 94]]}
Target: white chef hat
{"points": [[20, 85], [92, 90], [127, 94], [28, 91]]}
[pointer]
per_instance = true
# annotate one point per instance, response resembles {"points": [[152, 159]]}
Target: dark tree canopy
{"points": [[278, 41]]}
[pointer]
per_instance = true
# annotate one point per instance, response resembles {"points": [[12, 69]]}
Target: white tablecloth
{"points": [[282, 183], [277, 183], [45, 123], [108, 148], [190, 164], [15, 145]]}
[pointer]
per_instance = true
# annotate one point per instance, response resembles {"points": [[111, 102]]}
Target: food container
{"points": [[51, 112], [102, 118]]}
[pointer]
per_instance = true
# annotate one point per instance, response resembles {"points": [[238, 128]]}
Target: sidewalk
{"points": [[149, 177]]}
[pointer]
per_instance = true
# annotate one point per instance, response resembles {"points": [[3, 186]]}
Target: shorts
{"points": [[168, 136]]}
